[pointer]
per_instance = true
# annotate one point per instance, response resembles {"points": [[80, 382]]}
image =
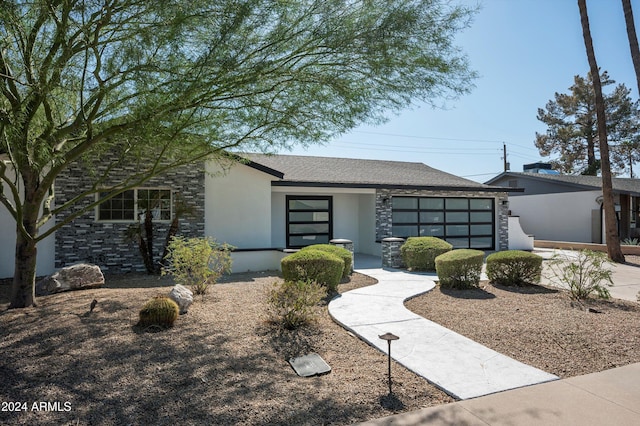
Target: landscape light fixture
{"points": [[389, 337]]}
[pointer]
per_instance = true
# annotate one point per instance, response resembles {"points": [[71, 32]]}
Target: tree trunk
{"points": [[24, 277], [633, 39], [611, 230]]}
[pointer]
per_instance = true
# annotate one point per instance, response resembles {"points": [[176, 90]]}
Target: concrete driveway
{"points": [[626, 278]]}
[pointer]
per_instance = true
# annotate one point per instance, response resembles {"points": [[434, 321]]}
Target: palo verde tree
{"points": [[164, 84], [572, 130]]}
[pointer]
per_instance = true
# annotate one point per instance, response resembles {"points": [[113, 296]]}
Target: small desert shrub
{"points": [[197, 262], [313, 265], [294, 303], [341, 252], [514, 267], [583, 273], [159, 311], [460, 268], [630, 242], [419, 253]]}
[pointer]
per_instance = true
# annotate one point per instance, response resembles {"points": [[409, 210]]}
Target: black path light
{"points": [[389, 337]]}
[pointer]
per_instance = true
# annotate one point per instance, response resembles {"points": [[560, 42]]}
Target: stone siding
{"points": [[384, 221], [104, 243]]}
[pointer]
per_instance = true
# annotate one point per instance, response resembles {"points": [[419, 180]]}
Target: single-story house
{"points": [[270, 203], [559, 207]]}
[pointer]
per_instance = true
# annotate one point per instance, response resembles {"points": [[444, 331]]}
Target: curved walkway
{"points": [[459, 366]]}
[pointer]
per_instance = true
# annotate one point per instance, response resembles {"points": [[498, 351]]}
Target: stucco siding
{"points": [[46, 247], [557, 217], [238, 206], [353, 215]]}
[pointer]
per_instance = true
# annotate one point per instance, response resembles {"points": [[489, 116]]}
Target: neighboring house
{"points": [[569, 208], [272, 203]]}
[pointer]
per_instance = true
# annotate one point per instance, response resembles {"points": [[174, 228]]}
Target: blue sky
{"points": [[524, 52]]}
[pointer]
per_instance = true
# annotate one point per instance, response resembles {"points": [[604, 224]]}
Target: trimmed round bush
{"points": [[419, 253], [313, 265], [514, 268], [460, 268], [159, 311], [341, 252]]}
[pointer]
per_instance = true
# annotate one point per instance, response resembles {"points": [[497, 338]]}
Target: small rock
{"points": [[182, 296]]}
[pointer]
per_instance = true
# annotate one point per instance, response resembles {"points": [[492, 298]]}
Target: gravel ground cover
{"points": [[225, 363], [222, 363]]}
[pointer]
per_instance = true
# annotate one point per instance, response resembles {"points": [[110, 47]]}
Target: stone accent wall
{"points": [[384, 210], [391, 254], [104, 243]]}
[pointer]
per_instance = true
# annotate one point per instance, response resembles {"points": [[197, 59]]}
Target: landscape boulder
{"points": [[182, 296], [75, 277]]}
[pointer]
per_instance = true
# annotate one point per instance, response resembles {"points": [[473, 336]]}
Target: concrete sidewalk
{"points": [[609, 397], [461, 367]]}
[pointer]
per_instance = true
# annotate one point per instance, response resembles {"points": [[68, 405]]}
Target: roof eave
{"points": [[393, 186]]}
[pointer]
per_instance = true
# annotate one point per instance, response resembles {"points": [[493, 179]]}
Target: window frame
{"points": [[447, 226], [290, 222], [138, 213]]}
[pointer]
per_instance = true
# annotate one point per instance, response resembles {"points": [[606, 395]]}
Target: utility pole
{"points": [[504, 157]]}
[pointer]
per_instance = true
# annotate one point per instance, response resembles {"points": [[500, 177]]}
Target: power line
{"points": [[444, 139], [419, 147], [440, 151], [426, 137]]}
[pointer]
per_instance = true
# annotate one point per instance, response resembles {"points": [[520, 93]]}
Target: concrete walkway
{"points": [[461, 367], [606, 398]]}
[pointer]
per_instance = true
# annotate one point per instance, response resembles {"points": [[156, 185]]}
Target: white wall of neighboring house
{"points": [[557, 217], [46, 248]]}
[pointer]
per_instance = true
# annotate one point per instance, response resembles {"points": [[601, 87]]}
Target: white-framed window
{"points": [[131, 205]]}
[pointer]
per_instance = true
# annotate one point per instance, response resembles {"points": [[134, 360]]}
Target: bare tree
{"points": [[611, 229]]}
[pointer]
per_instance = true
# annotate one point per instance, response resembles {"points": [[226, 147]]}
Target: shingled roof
{"points": [[621, 185], [356, 173]]}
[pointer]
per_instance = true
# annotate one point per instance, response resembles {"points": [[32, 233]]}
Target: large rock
{"points": [[182, 296], [75, 277]]}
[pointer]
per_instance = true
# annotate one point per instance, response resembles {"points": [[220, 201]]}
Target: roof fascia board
{"points": [[393, 186]]}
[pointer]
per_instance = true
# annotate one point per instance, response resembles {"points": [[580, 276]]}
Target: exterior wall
{"points": [[46, 247], [238, 206], [534, 186], [104, 243], [353, 215], [384, 210], [557, 217]]}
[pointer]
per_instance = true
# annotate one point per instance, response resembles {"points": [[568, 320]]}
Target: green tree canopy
{"points": [[572, 131], [180, 80]]}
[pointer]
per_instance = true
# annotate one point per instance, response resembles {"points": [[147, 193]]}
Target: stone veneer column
{"points": [[344, 243], [391, 256]]}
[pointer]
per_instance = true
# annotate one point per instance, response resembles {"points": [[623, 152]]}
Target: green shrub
{"points": [[159, 311], [582, 273], [514, 267], [341, 252], [460, 268], [197, 262], [313, 265], [294, 303], [419, 253]]}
